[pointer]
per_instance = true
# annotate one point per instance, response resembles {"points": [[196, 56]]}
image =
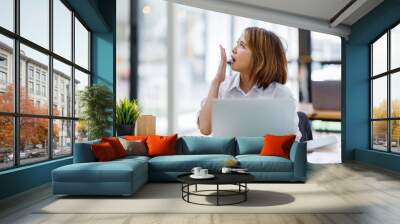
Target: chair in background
{"points": [[304, 127]]}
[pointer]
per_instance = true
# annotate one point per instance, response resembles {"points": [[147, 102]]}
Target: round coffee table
{"points": [[238, 179]]}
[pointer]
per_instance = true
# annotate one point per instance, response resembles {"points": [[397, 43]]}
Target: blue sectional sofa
{"points": [[125, 176]]}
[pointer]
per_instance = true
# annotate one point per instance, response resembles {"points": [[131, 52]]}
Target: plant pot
{"points": [[125, 129]]}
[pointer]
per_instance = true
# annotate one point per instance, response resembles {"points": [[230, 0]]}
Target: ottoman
{"points": [[119, 177]]}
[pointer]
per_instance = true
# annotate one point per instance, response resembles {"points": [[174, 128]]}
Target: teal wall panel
{"points": [[90, 12], [356, 81], [102, 59], [104, 53], [24, 178], [376, 158], [356, 126], [103, 64]]}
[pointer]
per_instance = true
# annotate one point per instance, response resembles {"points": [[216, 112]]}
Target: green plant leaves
{"points": [[127, 112], [97, 104]]}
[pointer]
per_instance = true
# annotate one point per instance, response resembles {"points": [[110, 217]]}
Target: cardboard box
{"points": [[145, 125]]}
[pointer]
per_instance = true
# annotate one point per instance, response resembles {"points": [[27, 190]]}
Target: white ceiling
{"points": [[313, 15], [321, 9]]}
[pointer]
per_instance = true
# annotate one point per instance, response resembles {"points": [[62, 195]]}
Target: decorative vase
{"points": [[125, 129]]}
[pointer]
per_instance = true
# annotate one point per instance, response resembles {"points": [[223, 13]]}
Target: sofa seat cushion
{"points": [[257, 163], [133, 158], [112, 171], [185, 163]]}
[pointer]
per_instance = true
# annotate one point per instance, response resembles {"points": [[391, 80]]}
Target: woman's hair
{"points": [[269, 59]]}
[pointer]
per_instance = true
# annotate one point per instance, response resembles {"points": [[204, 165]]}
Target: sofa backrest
{"points": [[83, 152], [249, 145], [192, 145]]}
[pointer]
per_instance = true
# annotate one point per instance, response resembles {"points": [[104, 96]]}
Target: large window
{"points": [[152, 68], [7, 14], [123, 48], [40, 80], [326, 57], [385, 96]]}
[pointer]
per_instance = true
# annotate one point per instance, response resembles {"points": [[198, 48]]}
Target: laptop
{"points": [[253, 117]]}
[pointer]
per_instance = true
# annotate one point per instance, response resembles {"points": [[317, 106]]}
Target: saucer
{"points": [[240, 171], [208, 176]]}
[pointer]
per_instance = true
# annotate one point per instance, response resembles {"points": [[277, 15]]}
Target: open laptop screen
{"points": [[253, 117]]}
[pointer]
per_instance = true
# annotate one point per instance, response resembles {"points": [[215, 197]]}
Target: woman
{"points": [[260, 60]]}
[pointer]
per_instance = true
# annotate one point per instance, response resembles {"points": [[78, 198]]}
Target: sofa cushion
{"points": [[131, 158], [111, 171], [257, 163], [134, 147], [116, 145], [161, 145], [249, 145], [195, 145], [135, 137], [103, 152], [275, 145], [185, 163]]}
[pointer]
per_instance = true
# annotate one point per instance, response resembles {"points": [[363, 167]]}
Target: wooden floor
{"points": [[378, 188]]}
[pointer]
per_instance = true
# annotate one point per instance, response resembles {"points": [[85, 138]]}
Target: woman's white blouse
{"points": [[230, 89]]}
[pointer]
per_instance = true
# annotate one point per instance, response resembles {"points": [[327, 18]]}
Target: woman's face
{"points": [[241, 56]]}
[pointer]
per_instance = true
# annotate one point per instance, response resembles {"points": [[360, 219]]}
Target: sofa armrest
{"points": [[298, 155], [83, 152]]}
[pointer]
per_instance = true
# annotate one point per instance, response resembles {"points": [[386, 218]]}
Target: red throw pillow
{"points": [[161, 145], [116, 145], [103, 151], [277, 145]]}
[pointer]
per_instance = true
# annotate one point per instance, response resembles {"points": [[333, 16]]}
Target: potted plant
{"points": [[96, 102], [126, 114]]}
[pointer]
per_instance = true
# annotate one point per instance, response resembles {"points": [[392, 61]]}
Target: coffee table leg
{"points": [[245, 193], [188, 189], [196, 188], [217, 194]]}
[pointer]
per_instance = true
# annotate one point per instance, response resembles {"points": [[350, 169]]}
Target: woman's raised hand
{"points": [[220, 76], [204, 120]]}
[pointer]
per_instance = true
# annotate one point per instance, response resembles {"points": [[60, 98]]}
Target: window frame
{"points": [[16, 115], [388, 74]]}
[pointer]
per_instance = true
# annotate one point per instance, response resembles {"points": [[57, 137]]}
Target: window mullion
{"points": [[50, 81], [16, 84], [370, 97], [389, 101], [73, 82]]}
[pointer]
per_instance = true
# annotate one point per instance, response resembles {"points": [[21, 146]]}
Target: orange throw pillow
{"points": [[103, 151], [116, 145], [161, 145], [135, 137], [277, 145]]}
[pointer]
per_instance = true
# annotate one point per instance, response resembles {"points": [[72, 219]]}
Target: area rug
{"points": [[167, 198]]}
